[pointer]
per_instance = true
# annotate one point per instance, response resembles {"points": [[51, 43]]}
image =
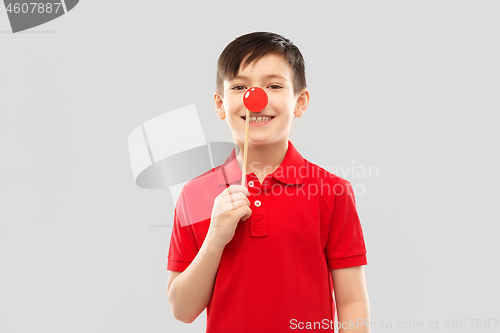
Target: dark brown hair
{"points": [[255, 45]]}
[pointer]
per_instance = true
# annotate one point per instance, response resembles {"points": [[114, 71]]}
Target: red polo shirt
{"points": [[275, 272]]}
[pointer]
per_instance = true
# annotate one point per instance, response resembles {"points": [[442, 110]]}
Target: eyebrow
{"points": [[270, 76]]}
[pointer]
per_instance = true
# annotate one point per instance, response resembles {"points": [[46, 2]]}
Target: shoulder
{"points": [[196, 197], [205, 180], [316, 173], [325, 183]]}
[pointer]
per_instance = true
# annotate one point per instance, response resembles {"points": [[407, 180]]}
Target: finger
{"points": [[240, 203], [234, 197], [238, 188], [235, 192], [230, 194], [226, 204], [245, 212], [234, 206]]}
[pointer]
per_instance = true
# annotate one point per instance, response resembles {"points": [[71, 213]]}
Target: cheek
{"points": [[233, 103], [281, 104]]}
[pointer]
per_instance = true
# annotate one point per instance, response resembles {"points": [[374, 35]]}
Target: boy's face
{"points": [[273, 74]]}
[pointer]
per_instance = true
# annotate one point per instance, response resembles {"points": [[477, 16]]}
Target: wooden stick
{"points": [[244, 172]]}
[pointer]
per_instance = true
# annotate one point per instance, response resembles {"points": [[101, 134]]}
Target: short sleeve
{"points": [[183, 247], [345, 245]]}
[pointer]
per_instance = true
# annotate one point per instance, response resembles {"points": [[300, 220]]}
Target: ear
{"points": [[219, 105], [302, 102]]}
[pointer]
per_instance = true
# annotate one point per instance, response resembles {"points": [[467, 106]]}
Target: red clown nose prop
{"points": [[255, 99]]}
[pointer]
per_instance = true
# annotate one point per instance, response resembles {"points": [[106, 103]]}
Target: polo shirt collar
{"points": [[289, 171]]}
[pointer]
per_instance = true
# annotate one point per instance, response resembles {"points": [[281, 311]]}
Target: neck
{"points": [[263, 159]]}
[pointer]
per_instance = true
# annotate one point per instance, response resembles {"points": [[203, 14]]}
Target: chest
{"points": [[281, 214]]}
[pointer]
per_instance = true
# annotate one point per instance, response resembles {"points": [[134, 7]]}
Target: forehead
{"points": [[267, 65]]}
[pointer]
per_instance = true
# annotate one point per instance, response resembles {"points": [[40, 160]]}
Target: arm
{"points": [[189, 292], [352, 299]]}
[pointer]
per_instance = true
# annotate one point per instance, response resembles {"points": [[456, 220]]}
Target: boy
{"points": [[273, 251]]}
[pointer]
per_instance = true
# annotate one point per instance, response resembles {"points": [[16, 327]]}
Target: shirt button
{"points": [[257, 203], [250, 183]]}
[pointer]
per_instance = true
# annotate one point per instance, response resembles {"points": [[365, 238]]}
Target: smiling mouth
{"points": [[270, 117]]}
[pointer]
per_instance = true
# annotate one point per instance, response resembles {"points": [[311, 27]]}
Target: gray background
{"points": [[410, 87]]}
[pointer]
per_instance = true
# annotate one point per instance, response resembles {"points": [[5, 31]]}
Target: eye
{"points": [[238, 88], [275, 86]]}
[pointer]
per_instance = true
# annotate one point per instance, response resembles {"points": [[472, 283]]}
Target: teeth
{"points": [[259, 119]]}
